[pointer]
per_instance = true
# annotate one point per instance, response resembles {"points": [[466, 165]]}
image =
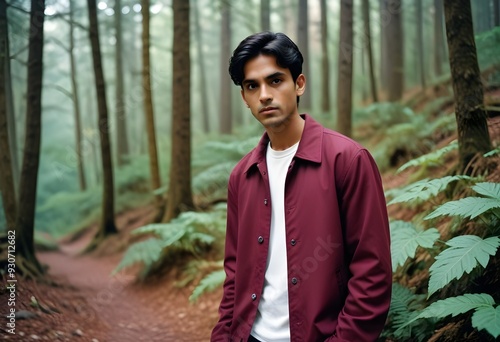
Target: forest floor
{"points": [[86, 303]]}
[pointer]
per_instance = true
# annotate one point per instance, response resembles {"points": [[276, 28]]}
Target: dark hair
{"points": [[285, 51]]}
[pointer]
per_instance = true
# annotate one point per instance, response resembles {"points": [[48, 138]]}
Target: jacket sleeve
{"points": [[367, 239], [221, 331]]}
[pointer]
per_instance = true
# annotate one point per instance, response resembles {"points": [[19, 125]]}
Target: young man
{"points": [[307, 247]]}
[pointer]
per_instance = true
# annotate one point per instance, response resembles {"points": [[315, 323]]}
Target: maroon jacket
{"points": [[338, 249]]}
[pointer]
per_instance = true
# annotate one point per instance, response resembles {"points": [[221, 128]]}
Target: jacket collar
{"points": [[309, 146]]}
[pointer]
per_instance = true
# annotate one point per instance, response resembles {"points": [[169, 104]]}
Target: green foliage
{"points": [[492, 153], [404, 306], [464, 254], [405, 238], [471, 207], [422, 190], [191, 233], [208, 283], [430, 159], [486, 316], [211, 184], [488, 48]]}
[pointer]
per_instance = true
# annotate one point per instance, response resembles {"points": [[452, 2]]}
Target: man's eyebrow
{"points": [[269, 77]]}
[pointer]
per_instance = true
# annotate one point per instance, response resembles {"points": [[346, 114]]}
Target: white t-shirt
{"points": [[272, 323]]}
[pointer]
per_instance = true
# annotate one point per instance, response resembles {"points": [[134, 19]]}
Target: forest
{"points": [[120, 125]]}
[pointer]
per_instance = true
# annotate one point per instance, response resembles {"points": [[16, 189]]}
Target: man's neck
{"points": [[288, 136]]}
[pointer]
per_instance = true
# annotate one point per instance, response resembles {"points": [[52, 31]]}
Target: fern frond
{"points": [[405, 239], [464, 254], [488, 189], [424, 189], [492, 153], [469, 207], [432, 158], [209, 283], [487, 318], [146, 252], [456, 305]]}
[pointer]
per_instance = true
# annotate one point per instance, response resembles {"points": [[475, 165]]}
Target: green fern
{"points": [[430, 159], [464, 254], [423, 190], [492, 153], [486, 316], [211, 183], [208, 283], [471, 207], [190, 232], [405, 239]]}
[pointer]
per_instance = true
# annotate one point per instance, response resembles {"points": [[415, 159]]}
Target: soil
{"points": [[84, 302]]}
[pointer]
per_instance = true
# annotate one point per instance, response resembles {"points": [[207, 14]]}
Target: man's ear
{"points": [[300, 85]]}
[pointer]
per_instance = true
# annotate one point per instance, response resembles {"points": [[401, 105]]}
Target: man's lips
{"points": [[267, 109]]}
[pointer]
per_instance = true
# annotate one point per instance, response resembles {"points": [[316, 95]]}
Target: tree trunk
{"points": [[205, 109], [226, 122], [303, 44], [7, 178], [439, 44], [325, 66], [395, 50], [265, 15], [473, 136], [496, 13], [420, 42], [121, 119], [76, 101], [148, 108], [107, 224], [179, 193], [25, 219], [368, 48], [344, 87], [384, 62]]}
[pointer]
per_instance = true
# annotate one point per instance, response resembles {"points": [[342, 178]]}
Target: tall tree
{"points": [[496, 12], [26, 260], [107, 225], [7, 178], [225, 117], [394, 44], [365, 7], [205, 109], [473, 135], [154, 168], [265, 15], [384, 18], [303, 44], [76, 99], [121, 121], [325, 66], [420, 42], [344, 85], [180, 197], [439, 44]]}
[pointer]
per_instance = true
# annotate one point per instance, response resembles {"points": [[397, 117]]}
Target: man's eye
{"points": [[276, 81], [251, 86]]}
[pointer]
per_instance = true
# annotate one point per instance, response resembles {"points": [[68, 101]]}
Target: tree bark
{"points": [[344, 87], [25, 215], [179, 193], [368, 48], [496, 13], [205, 108], [148, 106], [303, 44], [395, 50], [439, 44], [76, 101], [121, 119], [325, 65], [420, 43], [226, 119], [107, 225], [265, 15], [473, 135], [384, 66], [7, 177]]}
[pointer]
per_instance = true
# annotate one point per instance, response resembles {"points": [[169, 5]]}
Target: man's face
{"points": [[269, 91]]}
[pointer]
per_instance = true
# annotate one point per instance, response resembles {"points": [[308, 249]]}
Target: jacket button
{"points": [[293, 242], [260, 239], [265, 201], [294, 281], [254, 296]]}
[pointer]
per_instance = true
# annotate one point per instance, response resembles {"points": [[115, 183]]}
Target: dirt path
{"points": [[88, 304]]}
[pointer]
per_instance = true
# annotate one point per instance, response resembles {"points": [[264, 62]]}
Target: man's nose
{"points": [[265, 94]]}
